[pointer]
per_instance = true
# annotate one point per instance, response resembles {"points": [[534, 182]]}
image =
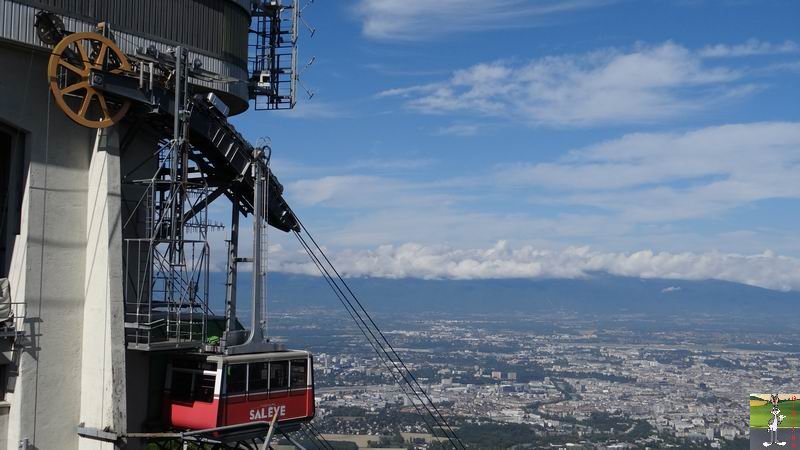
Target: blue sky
{"points": [[546, 138]]}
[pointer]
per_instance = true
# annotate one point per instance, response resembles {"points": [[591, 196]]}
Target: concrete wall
{"points": [[103, 350], [66, 267], [4, 407], [46, 399], [17, 278]]}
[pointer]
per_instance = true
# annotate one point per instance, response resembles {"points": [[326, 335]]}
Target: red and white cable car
{"points": [[211, 391], [248, 381]]}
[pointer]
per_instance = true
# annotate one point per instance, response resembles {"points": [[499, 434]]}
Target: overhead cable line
{"points": [[377, 339], [315, 435], [367, 333], [310, 439]]}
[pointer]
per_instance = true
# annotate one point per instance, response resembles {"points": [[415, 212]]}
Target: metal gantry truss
{"points": [[166, 294], [167, 291], [167, 260]]}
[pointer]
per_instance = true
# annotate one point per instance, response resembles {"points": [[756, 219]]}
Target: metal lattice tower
{"points": [[272, 56]]}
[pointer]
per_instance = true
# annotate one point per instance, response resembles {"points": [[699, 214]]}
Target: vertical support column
{"points": [[257, 340], [256, 331], [176, 209], [103, 396], [233, 255]]}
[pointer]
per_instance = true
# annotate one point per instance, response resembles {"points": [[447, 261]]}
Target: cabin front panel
{"points": [[289, 406]]}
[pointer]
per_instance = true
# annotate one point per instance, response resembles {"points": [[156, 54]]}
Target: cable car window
{"points": [[181, 389], [278, 375], [237, 378], [298, 376], [205, 391], [259, 376]]}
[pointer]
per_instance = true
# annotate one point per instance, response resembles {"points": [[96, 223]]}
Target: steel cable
{"points": [[373, 342], [357, 314]]}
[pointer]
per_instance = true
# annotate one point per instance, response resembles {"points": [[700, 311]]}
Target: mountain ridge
{"points": [[597, 293]]}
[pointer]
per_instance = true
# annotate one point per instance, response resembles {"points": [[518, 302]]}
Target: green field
{"points": [[760, 415]]}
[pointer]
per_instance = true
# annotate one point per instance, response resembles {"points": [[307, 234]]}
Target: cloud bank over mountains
{"points": [[631, 184], [767, 270]]}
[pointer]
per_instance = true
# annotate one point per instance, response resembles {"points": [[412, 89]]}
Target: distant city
{"points": [[546, 382]]}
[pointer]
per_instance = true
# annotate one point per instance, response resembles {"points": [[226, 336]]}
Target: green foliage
{"points": [[736, 444], [495, 435], [394, 441], [641, 429], [339, 445], [348, 411]]}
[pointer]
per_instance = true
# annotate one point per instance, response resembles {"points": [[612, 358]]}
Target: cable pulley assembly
{"points": [[77, 63]]}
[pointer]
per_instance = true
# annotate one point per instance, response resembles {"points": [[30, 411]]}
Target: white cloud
{"points": [[288, 170], [610, 86], [629, 192], [766, 270], [364, 191], [669, 289], [460, 129], [647, 177], [330, 188], [423, 19], [753, 47], [642, 183]]}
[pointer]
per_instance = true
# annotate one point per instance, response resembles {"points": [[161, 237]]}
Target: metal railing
{"points": [[12, 325], [166, 288], [166, 305]]}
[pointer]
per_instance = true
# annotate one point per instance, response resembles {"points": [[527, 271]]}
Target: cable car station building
{"points": [[113, 137]]}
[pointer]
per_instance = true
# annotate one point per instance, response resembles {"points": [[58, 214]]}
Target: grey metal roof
{"points": [[216, 28], [271, 356], [16, 24]]}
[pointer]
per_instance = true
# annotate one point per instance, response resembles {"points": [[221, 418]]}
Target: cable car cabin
{"points": [[208, 391]]}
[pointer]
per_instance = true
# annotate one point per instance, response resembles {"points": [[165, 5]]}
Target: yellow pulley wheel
{"points": [[71, 63]]}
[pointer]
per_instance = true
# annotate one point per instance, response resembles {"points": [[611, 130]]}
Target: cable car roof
{"points": [[252, 357]]}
